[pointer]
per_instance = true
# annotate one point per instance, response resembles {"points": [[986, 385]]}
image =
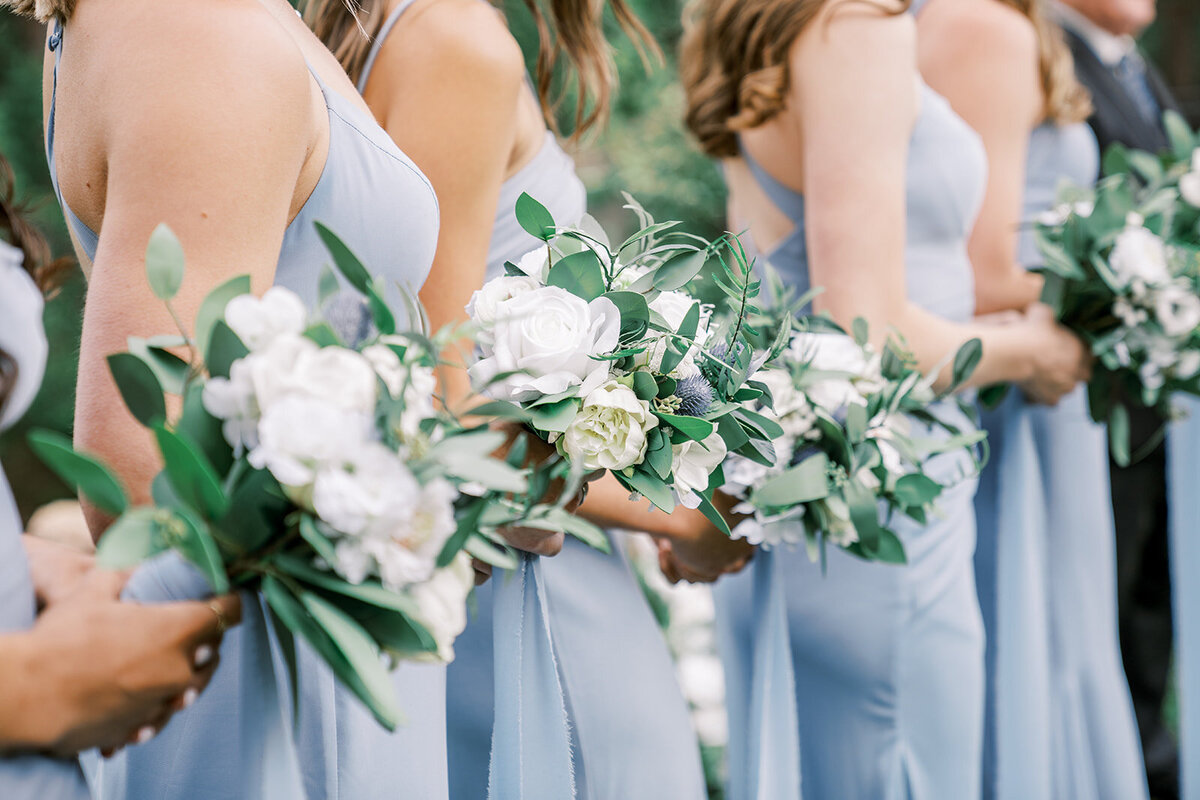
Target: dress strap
{"points": [[785, 198], [388, 24]]}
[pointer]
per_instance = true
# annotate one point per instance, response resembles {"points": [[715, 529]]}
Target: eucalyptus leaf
{"points": [[1118, 434], [803, 483], [164, 262], [139, 388], [191, 474], [677, 272], [224, 348], [213, 308], [580, 274], [694, 428], [534, 218], [649, 486], [134, 537], [85, 474]]}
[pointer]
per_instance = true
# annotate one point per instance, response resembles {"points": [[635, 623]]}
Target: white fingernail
{"points": [[204, 654], [189, 696], [145, 734]]}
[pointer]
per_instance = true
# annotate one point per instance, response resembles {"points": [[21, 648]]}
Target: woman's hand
{"points": [[697, 551], [98, 672], [56, 569], [1060, 361]]}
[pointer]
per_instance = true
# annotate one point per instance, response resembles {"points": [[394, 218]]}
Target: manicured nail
{"points": [[189, 696], [145, 734], [204, 654]]}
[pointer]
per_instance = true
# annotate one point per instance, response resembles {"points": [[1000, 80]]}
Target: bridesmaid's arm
{"points": [[446, 86], [207, 128], [854, 99], [963, 47]]}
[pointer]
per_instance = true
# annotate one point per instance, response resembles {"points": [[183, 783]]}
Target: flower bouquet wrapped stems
{"points": [[859, 427], [315, 470], [1122, 270], [601, 350]]}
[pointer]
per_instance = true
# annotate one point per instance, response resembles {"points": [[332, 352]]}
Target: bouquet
{"points": [[849, 457], [1122, 270], [603, 352], [316, 470]]}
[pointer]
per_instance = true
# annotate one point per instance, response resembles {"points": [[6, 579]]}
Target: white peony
{"points": [[300, 436], [485, 301], [548, 336], [259, 321], [609, 432], [1139, 257], [442, 603], [792, 409], [692, 464], [337, 376], [1177, 310], [854, 372], [1189, 184], [370, 493]]}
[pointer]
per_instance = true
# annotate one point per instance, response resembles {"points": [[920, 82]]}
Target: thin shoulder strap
{"points": [[388, 24], [786, 199], [55, 43], [916, 6]]}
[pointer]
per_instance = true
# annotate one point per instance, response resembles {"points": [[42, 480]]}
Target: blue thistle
{"points": [[695, 396], [347, 313]]}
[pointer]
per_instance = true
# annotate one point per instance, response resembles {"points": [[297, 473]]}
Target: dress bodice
{"points": [[369, 193], [549, 178], [1057, 154], [946, 177]]}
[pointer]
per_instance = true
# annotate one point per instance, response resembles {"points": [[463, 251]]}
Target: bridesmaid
{"points": [[235, 126], [483, 141], [826, 132], [1060, 720], [90, 671]]}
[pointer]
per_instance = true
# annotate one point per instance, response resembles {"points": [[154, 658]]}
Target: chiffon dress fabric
{"points": [[886, 662], [236, 741], [24, 342], [630, 736], [1060, 720]]}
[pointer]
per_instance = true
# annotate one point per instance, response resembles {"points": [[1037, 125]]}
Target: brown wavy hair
{"points": [[568, 29], [15, 227], [1066, 99], [734, 64], [41, 10]]}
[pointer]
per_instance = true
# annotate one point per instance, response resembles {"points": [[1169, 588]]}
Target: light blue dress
{"points": [[22, 339], [1060, 721], [228, 745], [630, 731], [887, 661]]}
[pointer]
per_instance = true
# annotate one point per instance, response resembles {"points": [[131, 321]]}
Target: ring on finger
{"points": [[222, 620]]}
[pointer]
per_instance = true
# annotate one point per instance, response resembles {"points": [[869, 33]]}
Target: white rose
{"points": [[1177, 310], [442, 603], [299, 436], [536, 263], [692, 464], [1187, 364], [792, 409], [549, 337], [1139, 256], [485, 301], [856, 372], [259, 321], [1189, 184], [338, 376], [673, 307], [609, 432]]}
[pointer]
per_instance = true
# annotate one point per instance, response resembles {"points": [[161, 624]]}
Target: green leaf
{"points": [[649, 486], [712, 514], [328, 286], [213, 308], [635, 314], [803, 483], [534, 218], [134, 537], [856, 422], [344, 259], [889, 549], [493, 473], [864, 513], [694, 428], [373, 688], [1183, 141], [1116, 160], [917, 490], [1118, 434], [196, 544], [310, 531], [224, 348], [164, 263], [204, 429], [139, 388], [170, 370], [559, 519], [257, 512], [580, 274], [1146, 165], [191, 474], [555, 417], [965, 361], [658, 453], [468, 525], [644, 385], [860, 331], [86, 475], [676, 273]]}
